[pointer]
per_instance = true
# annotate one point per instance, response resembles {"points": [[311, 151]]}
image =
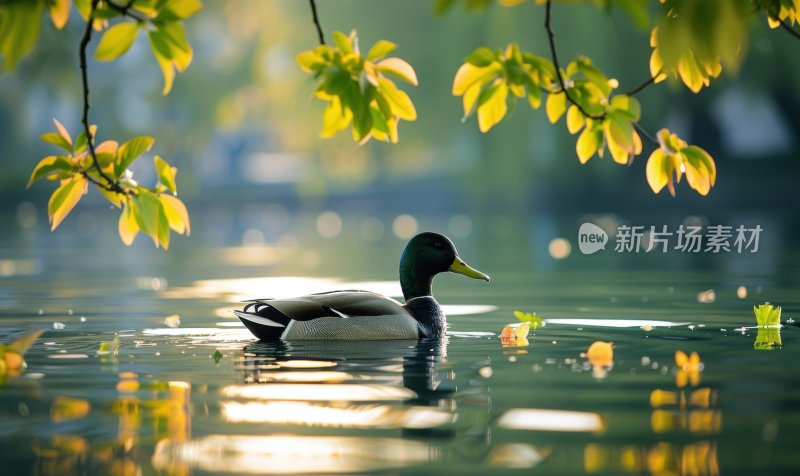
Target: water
{"points": [[199, 396]]}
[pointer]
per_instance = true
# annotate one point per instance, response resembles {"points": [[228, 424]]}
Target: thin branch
{"points": [[552, 38], [112, 185], [789, 28], [127, 10], [316, 21], [645, 84], [646, 135]]}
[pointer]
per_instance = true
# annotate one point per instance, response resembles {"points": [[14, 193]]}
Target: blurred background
{"points": [[242, 127]]}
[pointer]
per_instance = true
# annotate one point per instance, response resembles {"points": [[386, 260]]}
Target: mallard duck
{"points": [[364, 315]]}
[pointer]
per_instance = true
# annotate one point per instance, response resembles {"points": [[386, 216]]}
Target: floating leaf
{"points": [[767, 315]]}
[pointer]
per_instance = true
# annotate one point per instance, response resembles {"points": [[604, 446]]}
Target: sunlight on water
{"points": [[355, 416], [290, 454], [309, 392], [551, 420], [615, 322]]}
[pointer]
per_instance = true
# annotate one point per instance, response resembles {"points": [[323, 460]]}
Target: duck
{"points": [[365, 315]]}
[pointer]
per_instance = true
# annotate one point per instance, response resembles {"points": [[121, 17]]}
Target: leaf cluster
{"points": [[487, 76], [358, 88], [673, 158], [154, 211]]}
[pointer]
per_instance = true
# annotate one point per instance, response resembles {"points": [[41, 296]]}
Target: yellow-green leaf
{"points": [[59, 12], [399, 68], [481, 57], [556, 105], [342, 42], [51, 167], [178, 9], [128, 226], [470, 99], [492, 106], [161, 52], [65, 198], [575, 120], [130, 150], [335, 118], [176, 213], [468, 75], [57, 140], [20, 24], [399, 100], [587, 144], [166, 174], [700, 169], [381, 49], [63, 131], [116, 41]]}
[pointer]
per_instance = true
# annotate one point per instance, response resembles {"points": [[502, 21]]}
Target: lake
{"points": [[191, 392]]}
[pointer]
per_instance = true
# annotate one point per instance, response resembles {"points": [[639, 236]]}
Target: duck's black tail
{"points": [[263, 320]]}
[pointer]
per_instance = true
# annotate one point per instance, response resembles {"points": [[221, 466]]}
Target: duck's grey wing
{"points": [[268, 318]]}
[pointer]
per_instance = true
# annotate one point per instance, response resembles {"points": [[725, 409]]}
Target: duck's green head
{"points": [[427, 255]]}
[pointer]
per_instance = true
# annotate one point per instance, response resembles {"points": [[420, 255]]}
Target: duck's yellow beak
{"points": [[460, 267]]}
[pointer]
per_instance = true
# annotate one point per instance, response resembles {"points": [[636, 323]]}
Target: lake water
{"points": [[191, 392]]}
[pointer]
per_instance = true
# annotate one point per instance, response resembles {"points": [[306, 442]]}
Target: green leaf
{"points": [[128, 226], [588, 143], [163, 55], [335, 118], [399, 68], [481, 57], [22, 344], [64, 199], [57, 140], [180, 51], [700, 170], [556, 105], [342, 42], [166, 174], [177, 215], [627, 105], [575, 120], [531, 318], [767, 315], [147, 207], [492, 105], [129, 151], [20, 24], [468, 75], [381, 49], [116, 41], [401, 104], [178, 9], [53, 166]]}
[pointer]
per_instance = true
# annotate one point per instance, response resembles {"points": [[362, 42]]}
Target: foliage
{"points": [[691, 39], [531, 318], [673, 158], [154, 211], [767, 315], [358, 89], [12, 362]]}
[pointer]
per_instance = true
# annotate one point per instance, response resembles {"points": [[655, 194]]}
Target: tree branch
{"points": [[126, 10], [112, 185], [645, 84], [646, 135], [789, 28], [315, 17], [552, 38]]}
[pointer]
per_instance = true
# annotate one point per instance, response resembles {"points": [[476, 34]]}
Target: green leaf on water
{"points": [[217, 356], [530, 317], [767, 315]]}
